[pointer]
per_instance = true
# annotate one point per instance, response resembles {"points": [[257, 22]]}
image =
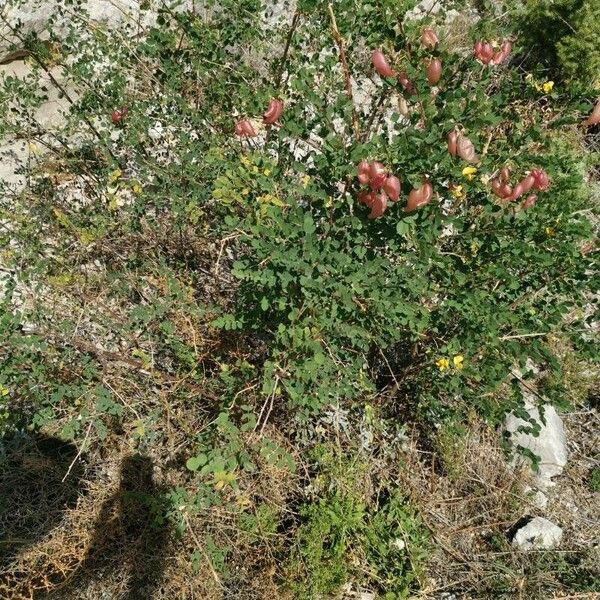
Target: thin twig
{"points": [[340, 44], [286, 50], [87, 433], [203, 552]]}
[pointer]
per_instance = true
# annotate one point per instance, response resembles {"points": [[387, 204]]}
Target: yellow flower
{"points": [[469, 173], [547, 87], [549, 231], [305, 180], [443, 364], [3, 391], [458, 361], [267, 172], [114, 175], [457, 192], [245, 160], [136, 188], [245, 192]]}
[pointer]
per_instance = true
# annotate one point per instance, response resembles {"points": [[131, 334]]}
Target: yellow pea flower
{"points": [[547, 87], [3, 391], [458, 361], [267, 172], [457, 192], [469, 173], [443, 363]]}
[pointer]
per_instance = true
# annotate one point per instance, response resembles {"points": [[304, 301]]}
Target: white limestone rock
{"points": [[538, 534], [550, 445]]}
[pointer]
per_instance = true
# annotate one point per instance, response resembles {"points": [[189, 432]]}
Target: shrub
{"points": [[563, 36]]}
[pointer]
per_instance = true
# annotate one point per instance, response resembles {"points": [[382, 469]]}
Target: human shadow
{"points": [[129, 535], [129, 542], [34, 493]]}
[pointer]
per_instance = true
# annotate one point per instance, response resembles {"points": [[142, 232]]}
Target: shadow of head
{"points": [[33, 495]]}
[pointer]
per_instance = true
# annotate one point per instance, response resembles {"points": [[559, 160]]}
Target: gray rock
{"points": [[550, 445], [539, 534]]}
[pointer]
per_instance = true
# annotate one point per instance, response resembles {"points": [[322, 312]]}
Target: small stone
{"points": [[550, 445], [539, 534]]}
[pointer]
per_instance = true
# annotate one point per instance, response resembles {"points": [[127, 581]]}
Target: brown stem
{"points": [[340, 44]]}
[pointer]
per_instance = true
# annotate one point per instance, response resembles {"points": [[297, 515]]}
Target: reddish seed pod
{"points": [[497, 187], [594, 117], [364, 172], [419, 197], [452, 143], [379, 205], [381, 64], [244, 128], [367, 198], [415, 198], [529, 201], [483, 52], [427, 193], [502, 54], [527, 183], [506, 191], [434, 71], [466, 150], [542, 181], [377, 175], [518, 191], [273, 112], [429, 39], [504, 175], [392, 188], [406, 83], [119, 114]]}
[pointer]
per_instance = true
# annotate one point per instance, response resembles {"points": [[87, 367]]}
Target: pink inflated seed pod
{"points": [[594, 117], [243, 128], [518, 191], [381, 64], [466, 150], [427, 193], [527, 183], [504, 175], [119, 114], [379, 205], [542, 181], [392, 188], [364, 172], [497, 188], [367, 198], [529, 201], [483, 52], [378, 175], [434, 71], [502, 54], [415, 197], [506, 190], [452, 143], [429, 39], [406, 83], [273, 112]]}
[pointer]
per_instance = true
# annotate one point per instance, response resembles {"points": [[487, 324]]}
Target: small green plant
{"points": [[347, 537], [594, 480]]}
